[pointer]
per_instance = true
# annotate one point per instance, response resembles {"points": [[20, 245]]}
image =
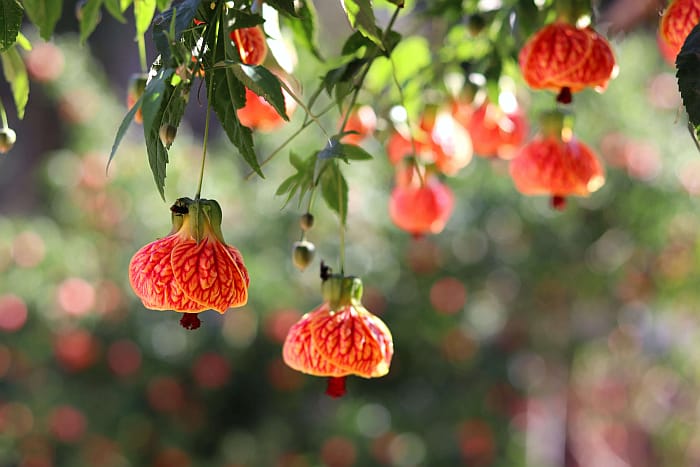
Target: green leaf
{"points": [[263, 83], [124, 4], [688, 74], [242, 19], [16, 74], [227, 91], [162, 4], [123, 127], [334, 190], [286, 6], [23, 42], [361, 16], [89, 19], [305, 27], [10, 21], [114, 8], [44, 14], [354, 153], [302, 181], [152, 98], [143, 14]]}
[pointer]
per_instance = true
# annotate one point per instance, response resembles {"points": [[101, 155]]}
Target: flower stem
{"points": [[142, 53], [341, 222], [3, 115]]}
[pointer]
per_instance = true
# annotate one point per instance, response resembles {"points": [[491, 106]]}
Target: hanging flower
{"points": [[566, 59], [495, 132], [362, 121], [439, 140], [420, 205], [676, 23], [339, 338], [556, 165], [135, 89], [251, 44], [192, 269], [259, 115]]}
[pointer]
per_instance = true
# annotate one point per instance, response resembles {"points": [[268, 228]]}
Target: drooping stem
{"points": [[3, 114], [142, 53], [336, 386], [341, 222], [206, 140]]}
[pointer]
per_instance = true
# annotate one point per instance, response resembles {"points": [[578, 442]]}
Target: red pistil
{"points": [[190, 321], [558, 202], [564, 96], [336, 386]]}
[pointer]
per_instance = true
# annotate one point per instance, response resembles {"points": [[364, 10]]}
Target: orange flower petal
{"points": [[300, 353], [678, 20], [208, 274], [353, 339], [151, 278]]}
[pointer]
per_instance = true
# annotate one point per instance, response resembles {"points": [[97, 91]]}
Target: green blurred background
{"points": [[523, 336]]}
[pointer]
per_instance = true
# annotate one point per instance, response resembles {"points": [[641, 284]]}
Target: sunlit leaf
{"points": [[361, 16], [143, 14], [16, 74], [44, 14], [89, 18], [263, 83]]}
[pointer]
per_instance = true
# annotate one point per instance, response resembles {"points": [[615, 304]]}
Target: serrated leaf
{"points": [[225, 92], [688, 75], [143, 14], [263, 83], [361, 17], [242, 19], [89, 19], [334, 189], [185, 12], [152, 98], [10, 21], [305, 27], [123, 127], [114, 8], [287, 185], [286, 6], [16, 74], [44, 14]]}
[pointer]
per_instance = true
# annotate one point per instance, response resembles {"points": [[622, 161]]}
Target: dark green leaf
{"points": [[263, 83], [242, 19], [334, 190], [226, 93], [10, 21], [185, 13], [153, 97], [361, 16], [286, 6], [355, 42], [398, 3], [305, 26], [162, 4], [302, 181], [89, 19], [123, 127], [688, 74], [16, 74], [286, 185], [343, 74], [143, 14], [44, 14]]}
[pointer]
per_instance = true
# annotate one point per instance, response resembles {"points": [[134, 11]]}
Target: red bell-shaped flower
{"points": [[566, 59], [259, 115], [558, 167], [495, 132], [192, 269], [362, 121], [339, 338], [420, 206], [676, 23], [251, 44], [439, 140]]}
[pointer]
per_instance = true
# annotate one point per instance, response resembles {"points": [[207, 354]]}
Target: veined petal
{"points": [[151, 278], [354, 340], [208, 274]]}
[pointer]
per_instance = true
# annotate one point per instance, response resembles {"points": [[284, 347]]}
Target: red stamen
{"points": [[336, 386], [565, 96], [190, 321], [558, 202]]}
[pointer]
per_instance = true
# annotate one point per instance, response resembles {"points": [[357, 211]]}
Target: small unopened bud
{"points": [[7, 139], [303, 254], [306, 221], [167, 134]]}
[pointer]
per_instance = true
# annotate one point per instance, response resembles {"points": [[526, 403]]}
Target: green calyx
{"points": [[204, 216], [340, 291], [553, 123]]}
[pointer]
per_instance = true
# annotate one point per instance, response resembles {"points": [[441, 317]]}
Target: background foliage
{"points": [[523, 336]]}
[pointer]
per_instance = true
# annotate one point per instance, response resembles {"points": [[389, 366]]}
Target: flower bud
{"points": [[167, 134], [7, 139], [306, 221], [303, 254]]}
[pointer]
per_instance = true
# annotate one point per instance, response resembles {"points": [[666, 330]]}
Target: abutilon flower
{"points": [[339, 338], [420, 206], [676, 23], [495, 132], [192, 269], [251, 44], [565, 59], [556, 165]]}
